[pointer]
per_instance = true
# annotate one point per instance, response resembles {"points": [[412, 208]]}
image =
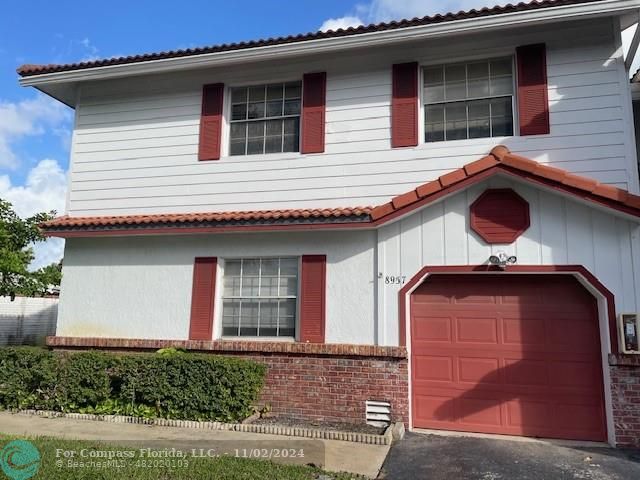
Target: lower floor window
{"points": [[260, 297]]}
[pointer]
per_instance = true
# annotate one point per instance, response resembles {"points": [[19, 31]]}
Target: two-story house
{"points": [[441, 214]]}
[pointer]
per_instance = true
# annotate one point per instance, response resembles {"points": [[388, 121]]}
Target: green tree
{"points": [[17, 236]]}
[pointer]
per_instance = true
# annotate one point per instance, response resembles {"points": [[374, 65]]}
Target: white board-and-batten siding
{"points": [[135, 142], [562, 232]]}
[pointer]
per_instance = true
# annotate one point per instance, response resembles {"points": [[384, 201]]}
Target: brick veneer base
{"points": [[320, 382], [625, 395]]}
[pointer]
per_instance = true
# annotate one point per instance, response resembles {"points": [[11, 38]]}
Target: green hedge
{"points": [[168, 384]]}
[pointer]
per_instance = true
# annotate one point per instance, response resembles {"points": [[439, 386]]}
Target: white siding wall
{"points": [[141, 287], [26, 320], [135, 145], [562, 232]]}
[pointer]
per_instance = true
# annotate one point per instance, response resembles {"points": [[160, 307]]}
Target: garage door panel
{"points": [[433, 368], [432, 329], [527, 414], [580, 418], [476, 330], [478, 411], [507, 355], [526, 372], [573, 335], [478, 370], [434, 408], [575, 374], [524, 331]]}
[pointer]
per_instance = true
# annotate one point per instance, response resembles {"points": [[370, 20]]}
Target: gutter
{"points": [[372, 39]]}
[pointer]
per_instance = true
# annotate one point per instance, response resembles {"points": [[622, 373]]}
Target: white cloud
{"points": [[27, 118], [342, 22], [91, 51], [44, 190], [384, 10]]}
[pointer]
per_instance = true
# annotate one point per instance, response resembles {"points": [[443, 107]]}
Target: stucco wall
{"points": [[140, 287]]}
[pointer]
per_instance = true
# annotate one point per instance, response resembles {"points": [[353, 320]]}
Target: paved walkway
{"points": [[436, 457], [332, 455]]}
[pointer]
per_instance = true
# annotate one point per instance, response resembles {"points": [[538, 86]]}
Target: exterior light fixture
{"points": [[501, 259]]}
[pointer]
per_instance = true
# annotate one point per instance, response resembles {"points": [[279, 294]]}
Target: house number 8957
{"points": [[395, 279]]}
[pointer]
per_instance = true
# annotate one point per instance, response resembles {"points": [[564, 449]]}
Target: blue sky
{"points": [[35, 132]]}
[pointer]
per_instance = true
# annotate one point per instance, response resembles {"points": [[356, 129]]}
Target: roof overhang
{"points": [[500, 162], [559, 13]]}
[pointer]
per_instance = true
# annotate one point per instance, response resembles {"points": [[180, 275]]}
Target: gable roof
{"points": [[499, 161], [502, 160], [28, 70]]}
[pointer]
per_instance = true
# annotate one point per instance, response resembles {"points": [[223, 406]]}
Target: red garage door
{"points": [[508, 354]]}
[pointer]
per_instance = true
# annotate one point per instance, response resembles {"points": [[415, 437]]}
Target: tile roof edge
{"points": [[28, 70]]}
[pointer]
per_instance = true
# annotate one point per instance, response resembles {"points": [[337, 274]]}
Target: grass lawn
{"points": [[225, 467]]}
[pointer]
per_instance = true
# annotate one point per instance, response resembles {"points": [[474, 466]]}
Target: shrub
{"points": [[27, 378], [167, 384]]}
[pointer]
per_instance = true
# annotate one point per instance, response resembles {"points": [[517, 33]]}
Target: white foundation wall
{"points": [[140, 287], [562, 232], [135, 141]]}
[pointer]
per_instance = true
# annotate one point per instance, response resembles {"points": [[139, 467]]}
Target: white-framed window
{"points": [[265, 118], [260, 297], [474, 99]]}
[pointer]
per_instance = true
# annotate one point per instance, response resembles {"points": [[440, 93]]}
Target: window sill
{"points": [[467, 142], [258, 339], [264, 156]]}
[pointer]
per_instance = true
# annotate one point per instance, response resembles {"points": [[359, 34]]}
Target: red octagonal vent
{"points": [[500, 215]]}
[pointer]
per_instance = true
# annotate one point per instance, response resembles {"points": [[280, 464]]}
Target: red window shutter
{"points": [[314, 92], [533, 101], [211, 122], [404, 105], [312, 301], [202, 298]]}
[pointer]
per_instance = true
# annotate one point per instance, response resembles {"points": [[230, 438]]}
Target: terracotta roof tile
{"points": [[612, 193], [382, 211], [499, 159], [405, 199], [31, 69], [633, 201], [580, 182], [355, 213], [480, 165], [429, 189], [453, 177], [521, 163], [552, 173]]}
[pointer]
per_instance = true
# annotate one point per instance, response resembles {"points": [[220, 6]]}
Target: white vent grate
{"points": [[378, 413]]}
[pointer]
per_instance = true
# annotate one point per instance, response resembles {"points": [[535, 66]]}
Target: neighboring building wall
{"points": [[140, 287], [136, 140], [562, 232], [26, 320], [625, 391]]}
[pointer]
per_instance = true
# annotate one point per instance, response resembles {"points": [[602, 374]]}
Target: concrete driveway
{"points": [[435, 457]]}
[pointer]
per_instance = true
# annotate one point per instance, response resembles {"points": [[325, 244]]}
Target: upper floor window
{"points": [[259, 297], [265, 118], [468, 100]]}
